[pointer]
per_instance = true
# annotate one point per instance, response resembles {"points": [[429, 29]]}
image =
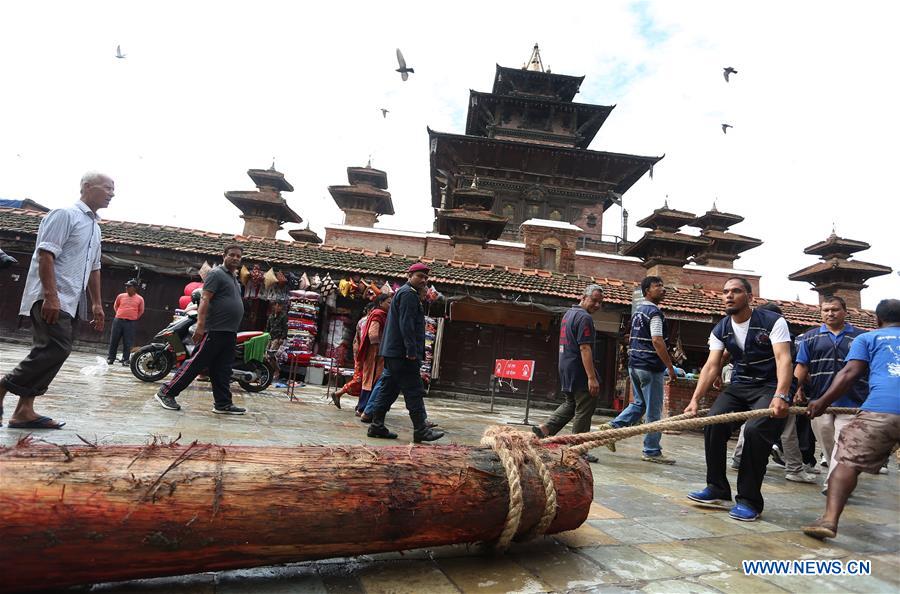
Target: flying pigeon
{"points": [[385, 111], [403, 70], [725, 128], [119, 53], [728, 71]]}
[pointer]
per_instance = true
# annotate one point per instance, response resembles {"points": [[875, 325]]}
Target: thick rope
{"points": [[584, 442], [513, 448]]}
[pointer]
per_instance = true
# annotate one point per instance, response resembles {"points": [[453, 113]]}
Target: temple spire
{"points": [[534, 62]]}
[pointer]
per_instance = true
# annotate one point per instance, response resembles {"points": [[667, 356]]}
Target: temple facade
{"points": [[527, 141]]}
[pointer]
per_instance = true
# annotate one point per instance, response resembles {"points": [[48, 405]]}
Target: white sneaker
{"points": [[823, 462], [800, 477], [812, 469], [883, 469]]}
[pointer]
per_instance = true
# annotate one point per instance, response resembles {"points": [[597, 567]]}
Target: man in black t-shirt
{"points": [[218, 320]]}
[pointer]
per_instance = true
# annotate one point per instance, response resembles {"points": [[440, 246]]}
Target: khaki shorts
{"points": [[866, 441]]}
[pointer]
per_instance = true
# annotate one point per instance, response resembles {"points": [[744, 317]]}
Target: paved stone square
{"points": [[642, 535]]}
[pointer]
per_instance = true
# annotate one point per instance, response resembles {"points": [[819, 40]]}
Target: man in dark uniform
{"points": [[403, 349]]}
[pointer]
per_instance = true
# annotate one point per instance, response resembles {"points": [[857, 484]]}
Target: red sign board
{"points": [[514, 369]]}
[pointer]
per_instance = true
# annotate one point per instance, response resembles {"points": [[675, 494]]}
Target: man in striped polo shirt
{"points": [[821, 354]]}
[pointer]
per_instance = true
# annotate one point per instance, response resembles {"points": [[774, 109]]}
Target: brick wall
{"points": [[512, 255], [677, 395], [537, 237]]}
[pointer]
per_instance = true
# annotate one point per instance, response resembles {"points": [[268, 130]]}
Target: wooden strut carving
{"points": [[88, 514]]}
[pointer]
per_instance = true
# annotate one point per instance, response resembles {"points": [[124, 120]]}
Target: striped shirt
{"points": [[72, 235]]}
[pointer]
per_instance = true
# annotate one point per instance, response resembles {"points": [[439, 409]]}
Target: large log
{"points": [[81, 514]]}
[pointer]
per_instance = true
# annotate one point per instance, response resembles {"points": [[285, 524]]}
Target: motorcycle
{"points": [[172, 346]]}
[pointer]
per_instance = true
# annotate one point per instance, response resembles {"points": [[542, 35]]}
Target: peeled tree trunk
{"points": [[88, 514]]}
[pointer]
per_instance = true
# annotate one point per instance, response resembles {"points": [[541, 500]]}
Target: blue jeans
{"points": [[647, 387], [374, 397]]}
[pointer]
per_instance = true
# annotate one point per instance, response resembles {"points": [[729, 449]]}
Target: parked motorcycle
{"points": [[172, 346]]}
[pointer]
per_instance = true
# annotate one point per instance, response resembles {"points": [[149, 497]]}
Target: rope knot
{"points": [[514, 448]]}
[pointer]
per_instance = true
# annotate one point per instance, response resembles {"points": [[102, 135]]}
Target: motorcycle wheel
{"points": [[264, 374], [150, 364]]}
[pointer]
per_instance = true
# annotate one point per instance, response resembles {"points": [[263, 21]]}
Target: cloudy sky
{"points": [[210, 89]]}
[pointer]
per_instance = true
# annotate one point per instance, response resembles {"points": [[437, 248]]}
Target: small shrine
{"points": [[264, 210], [837, 273]]}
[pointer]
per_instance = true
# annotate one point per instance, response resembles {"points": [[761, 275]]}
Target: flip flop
{"points": [[820, 529], [38, 423]]}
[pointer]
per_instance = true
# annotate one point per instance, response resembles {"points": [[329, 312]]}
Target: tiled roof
{"points": [[445, 273]]}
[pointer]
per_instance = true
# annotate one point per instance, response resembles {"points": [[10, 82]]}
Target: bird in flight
{"points": [[119, 53], [728, 71], [725, 128], [384, 111], [403, 70]]}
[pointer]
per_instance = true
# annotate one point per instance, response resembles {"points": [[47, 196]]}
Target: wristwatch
{"points": [[784, 397]]}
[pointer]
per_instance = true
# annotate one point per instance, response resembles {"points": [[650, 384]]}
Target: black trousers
{"points": [[121, 330], [214, 354], [402, 375], [759, 435], [50, 347]]}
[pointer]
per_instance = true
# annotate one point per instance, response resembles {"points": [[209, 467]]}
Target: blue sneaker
{"points": [[743, 513], [708, 499]]}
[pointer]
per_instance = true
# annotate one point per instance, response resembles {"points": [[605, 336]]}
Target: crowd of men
{"points": [[833, 364]]}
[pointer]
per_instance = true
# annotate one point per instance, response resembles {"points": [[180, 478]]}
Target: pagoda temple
{"points": [[724, 246], [527, 142], [664, 250], [470, 223], [837, 274], [366, 198], [264, 210]]}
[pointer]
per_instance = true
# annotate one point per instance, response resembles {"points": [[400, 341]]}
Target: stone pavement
{"points": [[642, 535]]}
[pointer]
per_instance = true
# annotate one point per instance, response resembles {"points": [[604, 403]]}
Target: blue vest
{"points": [[641, 354], [756, 363], [826, 358]]}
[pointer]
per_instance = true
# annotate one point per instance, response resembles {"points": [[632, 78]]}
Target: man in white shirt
{"points": [[759, 343], [66, 261]]}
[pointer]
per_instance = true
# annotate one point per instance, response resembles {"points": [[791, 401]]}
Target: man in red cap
{"points": [[403, 349]]}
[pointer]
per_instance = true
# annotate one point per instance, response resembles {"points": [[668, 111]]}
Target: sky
{"points": [[211, 89]]}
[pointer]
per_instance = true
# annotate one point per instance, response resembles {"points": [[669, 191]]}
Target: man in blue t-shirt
{"points": [[866, 442], [578, 376]]}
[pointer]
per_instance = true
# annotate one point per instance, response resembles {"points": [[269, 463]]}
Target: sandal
{"points": [[820, 529]]}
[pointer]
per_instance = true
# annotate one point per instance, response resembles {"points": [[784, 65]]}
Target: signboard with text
{"points": [[514, 369]]}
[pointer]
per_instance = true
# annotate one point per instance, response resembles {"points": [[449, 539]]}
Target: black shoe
{"points": [[381, 432], [592, 459], [125, 363], [110, 361], [229, 410], [167, 402], [426, 434]]}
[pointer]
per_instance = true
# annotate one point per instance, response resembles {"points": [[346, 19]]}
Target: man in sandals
{"points": [[866, 442], [759, 343], [66, 261]]}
